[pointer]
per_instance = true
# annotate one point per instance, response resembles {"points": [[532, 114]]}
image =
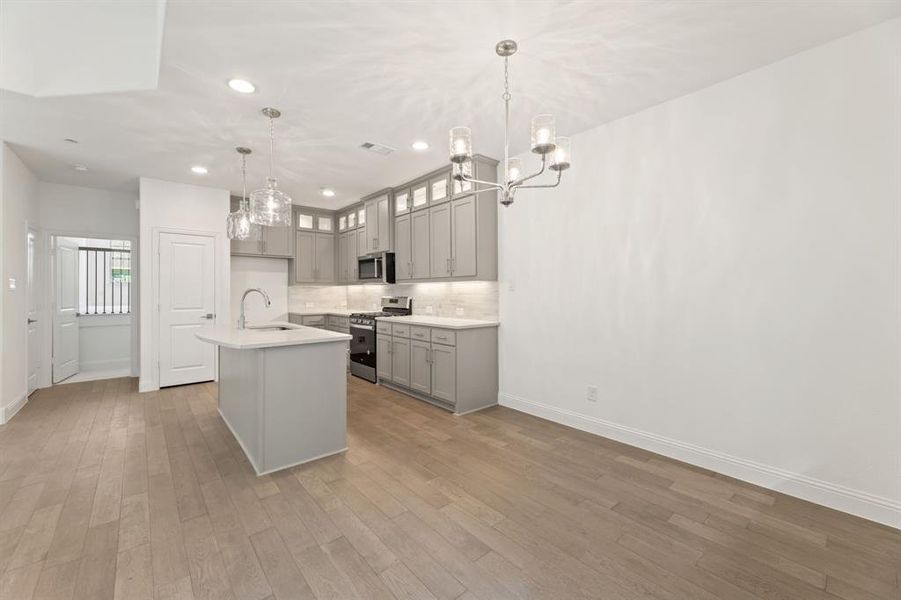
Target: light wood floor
{"points": [[107, 493]]}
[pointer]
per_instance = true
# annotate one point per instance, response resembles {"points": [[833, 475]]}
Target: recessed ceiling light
{"points": [[242, 85], [420, 145], [327, 192], [81, 168], [199, 170], [70, 140]]}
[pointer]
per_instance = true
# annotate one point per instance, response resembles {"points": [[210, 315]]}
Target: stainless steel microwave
{"points": [[376, 267]]}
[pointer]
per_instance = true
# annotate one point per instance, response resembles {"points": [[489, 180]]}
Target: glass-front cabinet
{"points": [[438, 189], [305, 220], [342, 223], [402, 201], [420, 193], [325, 223]]}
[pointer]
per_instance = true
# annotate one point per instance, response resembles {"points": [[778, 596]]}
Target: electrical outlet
{"points": [[308, 305], [459, 311], [429, 310], [592, 395]]}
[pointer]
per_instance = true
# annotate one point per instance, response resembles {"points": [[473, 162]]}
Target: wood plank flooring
{"points": [[107, 493]]}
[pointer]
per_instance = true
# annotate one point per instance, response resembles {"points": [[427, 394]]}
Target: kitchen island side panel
{"points": [[305, 403], [239, 399]]}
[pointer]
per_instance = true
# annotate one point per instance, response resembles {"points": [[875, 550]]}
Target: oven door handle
{"points": [[363, 327]]}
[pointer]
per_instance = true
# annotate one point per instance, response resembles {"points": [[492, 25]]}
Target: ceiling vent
{"points": [[377, 148]]}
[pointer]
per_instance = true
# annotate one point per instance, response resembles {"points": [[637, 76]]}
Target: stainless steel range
{"points": [[362, 329]]}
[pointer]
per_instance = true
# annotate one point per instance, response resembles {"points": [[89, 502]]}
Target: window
{"points": [[104, 277]]}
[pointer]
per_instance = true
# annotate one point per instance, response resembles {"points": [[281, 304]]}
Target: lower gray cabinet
{"points": [[420, 367], [400, 361], [444, 373], [383, 364], [453, 369]]}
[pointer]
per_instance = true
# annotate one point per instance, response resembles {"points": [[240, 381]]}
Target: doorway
{"points": [[92, 320]]}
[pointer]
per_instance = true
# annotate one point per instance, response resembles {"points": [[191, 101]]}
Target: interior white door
{"points": [[65, 313], [34, 351], [187, 300]]}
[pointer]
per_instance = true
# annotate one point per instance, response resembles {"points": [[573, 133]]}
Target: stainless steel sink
{"points": [[285, 327]]}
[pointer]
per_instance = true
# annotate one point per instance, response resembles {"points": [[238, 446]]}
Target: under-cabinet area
{"points": [[451, 363]]}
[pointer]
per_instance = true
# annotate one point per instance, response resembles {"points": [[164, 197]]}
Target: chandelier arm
{"points": [[519, 181], [477, 192], [462, 177], [546, 185]]}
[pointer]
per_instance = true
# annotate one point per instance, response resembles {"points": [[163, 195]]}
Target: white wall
{"points": [[269, 274], [18, 210], [725, 268], [71, 209], [184, 208]]}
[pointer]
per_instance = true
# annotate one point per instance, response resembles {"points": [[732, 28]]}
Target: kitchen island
{"points": [[282, 391]]}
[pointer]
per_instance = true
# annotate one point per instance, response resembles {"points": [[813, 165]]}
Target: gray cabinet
{"points": [[304, 256], [314, 257], [444, 373], [400, 361], [420, 367], [454, 369], [277, 242], [377, 223], [325, 258], [464, 245], [274, 242], [361, 241], [440, 241], [403, 248], [383, 349], [346, 269], [419, 194], [439, 188], [419, 245]]}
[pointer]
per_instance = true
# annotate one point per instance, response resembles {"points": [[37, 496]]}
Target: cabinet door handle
{"points": [[410, 269]]}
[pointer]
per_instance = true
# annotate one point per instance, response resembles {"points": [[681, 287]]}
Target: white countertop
{"points": [[250, 339], [444, 322]]}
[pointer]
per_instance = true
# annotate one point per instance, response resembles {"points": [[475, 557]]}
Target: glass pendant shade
{"points": [[543, 133], [240, 227], [562, 154], [514, 169], [270, 206], [460, 144]]}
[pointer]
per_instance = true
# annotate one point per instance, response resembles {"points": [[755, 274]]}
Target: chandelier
{"points": [[239, 225], [269, 205], [555, 151]]}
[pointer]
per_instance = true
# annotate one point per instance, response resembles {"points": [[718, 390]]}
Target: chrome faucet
{"points": [[241, 319]]}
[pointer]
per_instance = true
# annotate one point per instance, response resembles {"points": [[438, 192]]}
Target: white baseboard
{"points": [[855, 502], [10, 410]]}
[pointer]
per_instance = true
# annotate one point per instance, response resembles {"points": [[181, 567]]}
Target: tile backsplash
{"points": [[474, 299]]}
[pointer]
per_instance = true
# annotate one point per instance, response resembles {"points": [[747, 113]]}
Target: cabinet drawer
{"points": [[314, 320], [400, 330], [444, 336], [420, 333], [383, 327], [338, 321]]}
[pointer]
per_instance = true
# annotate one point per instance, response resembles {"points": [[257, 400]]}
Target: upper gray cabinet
{"points": [[377, 222], [313, 248], [274, 242], [439, 234]]}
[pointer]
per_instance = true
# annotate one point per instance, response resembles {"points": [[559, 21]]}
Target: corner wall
{"points": [[724, 267], [18, 210]]}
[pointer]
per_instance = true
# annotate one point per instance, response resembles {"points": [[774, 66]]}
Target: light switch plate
{"points": [[592, 395]]}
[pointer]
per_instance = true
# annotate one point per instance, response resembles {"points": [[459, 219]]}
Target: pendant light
{"points": [[269, 205], [239, 225]]}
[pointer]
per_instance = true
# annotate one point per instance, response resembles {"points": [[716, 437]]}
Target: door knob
{"points": [[30, 321], [208, 316]]}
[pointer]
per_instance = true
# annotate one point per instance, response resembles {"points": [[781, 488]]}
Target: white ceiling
{"points": [[391, 72]]}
